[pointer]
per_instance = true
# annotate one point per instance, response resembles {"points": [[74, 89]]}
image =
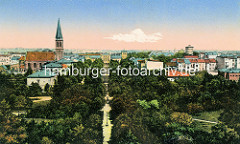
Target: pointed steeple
{"points": [[59, 31]]}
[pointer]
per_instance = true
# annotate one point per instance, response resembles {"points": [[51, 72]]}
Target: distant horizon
{"points": [[122, 49]]}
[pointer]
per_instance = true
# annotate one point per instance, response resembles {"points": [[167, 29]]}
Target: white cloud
{"points": [[137, 35]]}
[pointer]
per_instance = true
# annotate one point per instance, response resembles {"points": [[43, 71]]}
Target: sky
{"points": [[121, 24]]}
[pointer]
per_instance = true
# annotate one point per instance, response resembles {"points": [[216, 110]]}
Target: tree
{"points": [[29, 72], [35, 90], [46, 140], [4, 109], [47, 88], [20, 102]]}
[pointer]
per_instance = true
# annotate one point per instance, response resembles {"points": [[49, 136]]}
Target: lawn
{"points": [[209, 116]]}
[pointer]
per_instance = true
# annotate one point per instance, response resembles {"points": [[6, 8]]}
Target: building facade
{"points": [[230, 74], [35, 60], [228, 61], [5, 60], [154, 64], [42, 78]]}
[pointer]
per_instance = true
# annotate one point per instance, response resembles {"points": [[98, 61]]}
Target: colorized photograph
{"points": [[119, 71]]}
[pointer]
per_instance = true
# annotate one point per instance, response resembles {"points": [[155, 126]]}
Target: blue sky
{"points": [[119, 15], [121, 12]]}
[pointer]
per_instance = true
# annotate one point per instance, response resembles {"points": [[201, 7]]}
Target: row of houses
{"points": [[194, 63], [9, 59]]}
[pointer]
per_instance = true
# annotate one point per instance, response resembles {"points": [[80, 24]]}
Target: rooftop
{"points": [[42, 74], [230, 70], [64, 61], [190, 56], [40, 56], [52, 65]]}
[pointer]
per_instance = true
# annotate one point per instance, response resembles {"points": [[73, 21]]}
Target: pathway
{"points": [[41, 98], [205, 121], [106, 125]]}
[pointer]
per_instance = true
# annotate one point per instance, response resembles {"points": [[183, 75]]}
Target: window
{"points": [[35, 65]]}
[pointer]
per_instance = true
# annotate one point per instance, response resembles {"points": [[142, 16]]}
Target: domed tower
{"points": [[189, 50], [59, 42]]}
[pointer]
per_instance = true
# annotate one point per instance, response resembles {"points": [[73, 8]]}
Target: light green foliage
{"points": [[144, 104], [154, 103]]}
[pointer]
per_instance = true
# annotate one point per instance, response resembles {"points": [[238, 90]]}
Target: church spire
{"points": [[59, 42], [59, 31]]}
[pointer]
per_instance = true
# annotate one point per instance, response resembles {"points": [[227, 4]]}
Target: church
{"points": [[35, 60]]}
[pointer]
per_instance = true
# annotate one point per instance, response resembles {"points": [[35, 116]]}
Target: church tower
{"points": [[59, 42]]}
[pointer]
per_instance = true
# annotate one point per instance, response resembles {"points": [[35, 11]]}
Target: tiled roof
{"points": [[52, 65], [42, 74], [180, 60], [15, 58], [174, 60], [193, 60], [212, 60], [22, 58], [40, 56], [64, 61], [230, 70], [141, 60], [201, 61], [207, 61], [94, 56], [186, 61], [190, 56], [211, 53], [116, 56], [64, 66], [105, 53]]}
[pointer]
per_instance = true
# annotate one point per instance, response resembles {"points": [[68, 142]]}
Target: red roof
{"points": [[64, 66], [173, 73], [212, 60], [154, 60], [40, 56], [141, 60], [22, 58], [207, 61], [180, 60], [190, 56], [171, 64], [193, 60], [201, 60]]}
